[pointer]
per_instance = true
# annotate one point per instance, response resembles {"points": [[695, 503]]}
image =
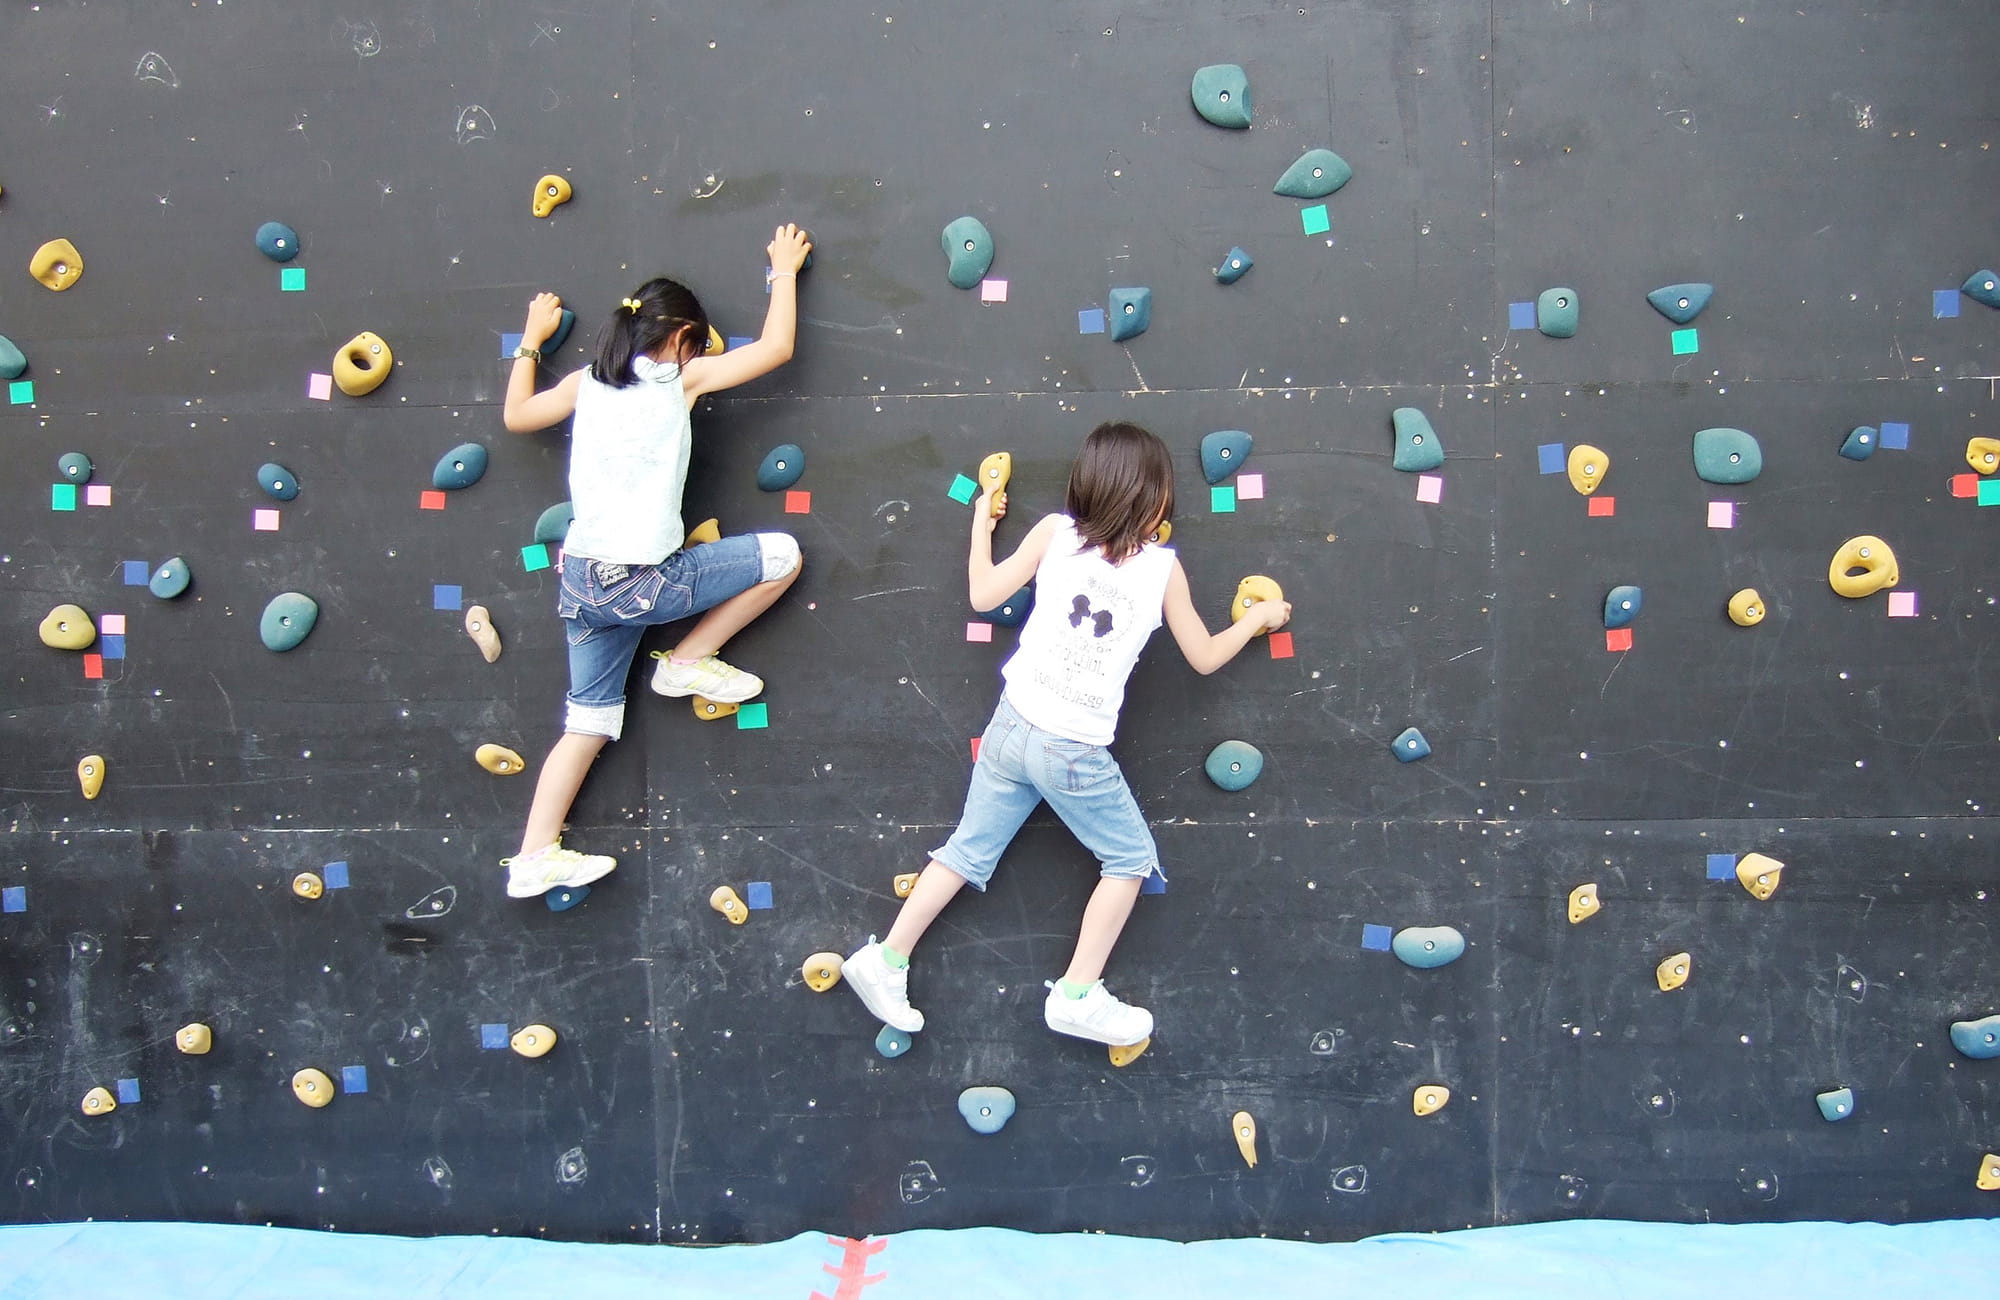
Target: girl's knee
{"points": [[781, 557]]}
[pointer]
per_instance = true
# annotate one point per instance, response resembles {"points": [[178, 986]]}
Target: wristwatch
{"points": [[533, 354]]}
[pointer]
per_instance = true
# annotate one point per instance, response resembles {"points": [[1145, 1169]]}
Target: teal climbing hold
{"points": [[1223, 453], [1427, 946], [986, 1109], [277, 241], [1622, 606], [1727, 456], [460, 467], [564, 325], [1681, 303], [892, 1042], [1555, 313], [564, 897], [1317, 173], [1131, 312], [781, 468], [1982, 286], [1410, 746], [277, 481], [1234, 764], [1222, 95], [1417, 445], [554, 523], [1013, 611], [13, 362], [969, 245], [1234, 263], [288, 620], [1836, 1104], [75, 467], [170, 579], [1860, 444], [1978, 1039]]}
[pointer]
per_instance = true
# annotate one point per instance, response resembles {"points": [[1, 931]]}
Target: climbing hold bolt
{"points": [[1989, 1172], [75, 467], [1245, 1129], [1983, 454], [360, 367], [1746, 608], [460, 467], [1583, 903], [1317, 173], [1410, 746], [892, 1042], [308, 885], [1232, 266], [56, 264], [1726, 456], [1555, 313], [288, 620], [708, 530], [551, 192], [781, 468], [1836, 1104], [707, 710], [1123, 1054], [170, 579], [1673, 972], [1982, 286], [1681, 303], [821, 971], [194, 1039], [725, 901], [479, 626], [90, 775], [1427, 947], [1417, 444], [1978, 1039], [1860, 443], [987, 1110], [1429, 1098], [553, 524], [99, 1102], [1131, 312], [1222, 95], [1621, 606], [994, 473], [277, 241], [499, 760], [13, 362], [968, 244], [1254, 590], [1223, 453], [312, 1087], [1759, 874], [532, 1041], [68, 627], [277, 481], [1587, 467], [1862, 566], [1234, 764], [904, 883], [1013, 611]]}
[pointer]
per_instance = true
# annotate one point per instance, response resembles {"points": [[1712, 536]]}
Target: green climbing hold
{"points": [[781, 468], [278, 481], [1681, 303], [969, 245], [1417, 445], [1317, 173], [1234, 764], [1982, 286], [987, 1110], [277, 241], [1013, 611], [1234, 263], [1860, 444], [1222, 95], [1555, 313], [288, 620], [1837, 1104], [1978, 1039], [1622, 606], [1131, 312], [75, 467], [563, 327], [1223, 453], [554, 523], [1410, 746], [1426, 947], [1726, 456], [170, 579], [892, 1042], [460, 467], [564, 897], [13, 362]]}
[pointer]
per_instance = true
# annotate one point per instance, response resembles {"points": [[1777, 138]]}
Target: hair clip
{"points": [[631, 304]]}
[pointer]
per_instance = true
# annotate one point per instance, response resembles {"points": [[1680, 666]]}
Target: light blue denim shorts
{"points": [[1019, 766]]}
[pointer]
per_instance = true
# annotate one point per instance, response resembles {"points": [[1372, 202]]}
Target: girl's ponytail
{"points": [[643, 325]]}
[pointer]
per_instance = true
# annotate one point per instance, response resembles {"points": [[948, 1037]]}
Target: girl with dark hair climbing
{"points": [[1102, 584], [624, 566]]}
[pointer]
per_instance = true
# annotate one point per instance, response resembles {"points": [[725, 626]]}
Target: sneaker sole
{"points": [[1091, 1036], [682, 692], [536, 891], [876, 1011]]}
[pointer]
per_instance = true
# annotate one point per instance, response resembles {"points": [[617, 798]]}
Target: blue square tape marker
{"points": [[137, 573], [354, 1078], [492, 1036], [1722, 866], [1375, 938], [1895, 436], [1154, 883], [508, 342], [1944, 304], [111, 647], [738, 340], [128, 1092], [334, 874], [1520, 315], [14, 898], [1090, 321], [447, 595], [757, 895], [1552, 457]]}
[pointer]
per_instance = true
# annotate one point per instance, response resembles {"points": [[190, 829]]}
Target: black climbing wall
{"points": [[1828, 167]]}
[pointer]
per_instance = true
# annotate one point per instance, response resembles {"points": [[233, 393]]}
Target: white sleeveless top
{"points": [[628, 461], [1090, 620]]}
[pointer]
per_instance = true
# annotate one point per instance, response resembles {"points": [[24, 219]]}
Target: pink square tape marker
{"points": [[992, 291], [97, 494], [319, 387], [1722, 514], [977, 631], [264, 521], [1249, 487], [111, 624], [1902, 604], [1430, 488]]}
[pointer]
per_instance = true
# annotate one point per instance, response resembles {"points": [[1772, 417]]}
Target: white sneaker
{"points": [[710, 678], [883, 989], [553, 867], [1097, 1015]]}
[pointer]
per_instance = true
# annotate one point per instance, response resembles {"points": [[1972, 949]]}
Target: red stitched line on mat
{"points": [[854, 1258]]}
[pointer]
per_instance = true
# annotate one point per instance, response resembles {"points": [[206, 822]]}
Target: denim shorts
{"points": [[606, 608], [1019, 766]]}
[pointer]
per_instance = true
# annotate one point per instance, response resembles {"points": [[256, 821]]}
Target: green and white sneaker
{"points": [[709, 678], [552, 866]]}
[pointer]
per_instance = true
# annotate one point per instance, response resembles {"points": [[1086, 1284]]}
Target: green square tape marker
{"points": [[21, 392], [1686, 342], [1314, 219], [753, 717], [292, 279], [62, 496], [535, 558], [1989, 491], [963, 490], [1222, 499]]}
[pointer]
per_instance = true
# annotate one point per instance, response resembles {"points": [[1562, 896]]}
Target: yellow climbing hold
{"points": [[500, 760], [551, 192], [1122, 1056], [99, 1102], [1583, 903], [1746, 608], [68, 627], [1983, 454], [1989, 1171], [1587, 467], [56, 264], [1874, 560], [994, 472], [307, 884], [1165, 532], [708, 530], [195, 1039], [1245, 1129], [725, 901], [533, 1040], [1429, 1099], [479, 626], [1251, 591], [905, 883], [821, 971], [716, 343], [360, 367], [90, 774], [312, 1087], [1673, 972], [1759, 874], [709, 710]]}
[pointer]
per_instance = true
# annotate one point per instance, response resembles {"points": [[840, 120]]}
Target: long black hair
{"points": [[1120, 488], [666, 310]]}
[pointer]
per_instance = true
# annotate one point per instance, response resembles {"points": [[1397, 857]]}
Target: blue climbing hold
{"points": [[1837, 1104], [75, 467], [892, 1042], [563, 327], [13, 361], [986, 1109], [1223, 453], [1222, 95], [1131, 312], [1860, 444], [1410, 746], [1234, 764], [1681, 303], [1622, 606], [1417, 444], [460, 467], [278, 481], [170, 579], [1555, 313], [1013, 611], [781, 468], [288, 620], [1428, 946], [277, 241], [969, 245], [1234, 263], [564, 897], [1727, 456], [1317, 173], [554, 523], [1982, 286], [1978, 1039]]}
